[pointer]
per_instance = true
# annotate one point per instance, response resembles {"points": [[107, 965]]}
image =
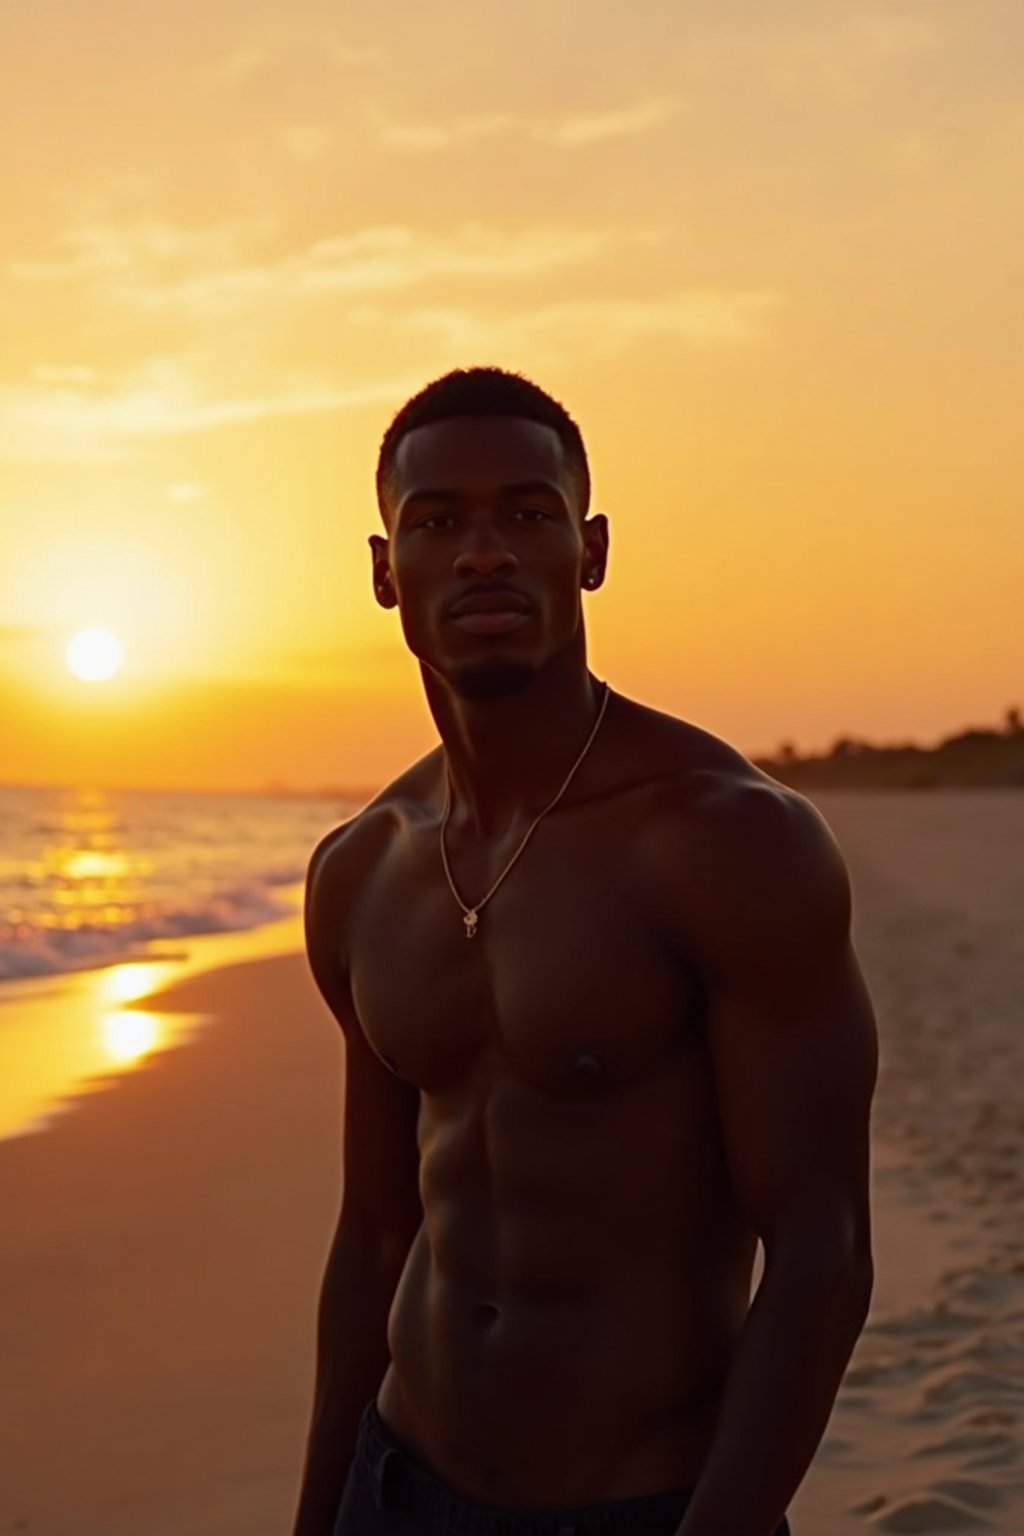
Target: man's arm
{"points": [[351, 1358], [380, 1211], [794, 1051]]}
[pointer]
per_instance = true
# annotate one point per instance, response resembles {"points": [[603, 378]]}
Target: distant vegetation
{"points": [[973, 759]]}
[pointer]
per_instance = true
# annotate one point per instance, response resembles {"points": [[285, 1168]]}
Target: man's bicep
{"points": [[328, 876], [380, 1154], [381, 1199], [794, 1047], [794, 1092]]}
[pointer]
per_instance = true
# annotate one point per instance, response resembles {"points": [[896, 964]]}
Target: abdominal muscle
{"points": [[533, 1365]]}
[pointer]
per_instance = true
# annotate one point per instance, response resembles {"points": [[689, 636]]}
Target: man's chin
{"points": [[491, 677]]}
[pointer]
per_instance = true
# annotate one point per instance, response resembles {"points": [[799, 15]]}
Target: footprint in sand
{"points": [[980, 1347], [927, 1514], [970, 1492], [986, 1288], [1005, 1456], [940, 1320], [869, 1505], [887, 1368], [987, 1417], [956, 1383], [993, 1443]]}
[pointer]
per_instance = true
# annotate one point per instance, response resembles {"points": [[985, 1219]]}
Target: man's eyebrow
{"points": [[533, 488], [431, 493], [448, 497]]}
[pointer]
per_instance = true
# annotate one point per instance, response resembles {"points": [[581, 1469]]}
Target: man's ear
{"points": [[381, 572], [383, 590], [595, 547]]}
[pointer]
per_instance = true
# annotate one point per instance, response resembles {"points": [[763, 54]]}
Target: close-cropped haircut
{"points": [[483, 392]]}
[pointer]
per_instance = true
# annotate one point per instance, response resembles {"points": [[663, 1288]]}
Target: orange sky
{"points": [[772, 270]]}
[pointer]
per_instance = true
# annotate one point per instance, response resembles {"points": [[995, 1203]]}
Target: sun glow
{"points": [[130, 1034], [94, 655]]}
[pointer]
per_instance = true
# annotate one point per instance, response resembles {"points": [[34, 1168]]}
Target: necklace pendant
{"points": [[470, 921]]}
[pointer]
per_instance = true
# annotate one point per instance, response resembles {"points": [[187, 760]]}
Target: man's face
{"points": [[477, 505]]}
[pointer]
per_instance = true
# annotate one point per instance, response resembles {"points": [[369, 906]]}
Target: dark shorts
{"points": [[390, 1493]]}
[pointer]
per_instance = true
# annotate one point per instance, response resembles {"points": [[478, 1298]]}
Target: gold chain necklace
{"points": [[471, 913]]}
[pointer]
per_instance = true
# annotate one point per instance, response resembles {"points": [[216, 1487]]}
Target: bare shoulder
{"points": [[741, 855], [341, 863], [340, 853], [686, 763], [779, 889], [338, 858]]}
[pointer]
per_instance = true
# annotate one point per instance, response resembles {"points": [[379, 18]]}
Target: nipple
{"points": [[389, 1061], [587, 1064]]}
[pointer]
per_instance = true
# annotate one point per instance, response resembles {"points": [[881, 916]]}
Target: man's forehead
{"points": [[479, 449]]}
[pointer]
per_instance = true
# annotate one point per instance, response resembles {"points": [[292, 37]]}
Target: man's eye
{"points": [[532, 511], [437, 517]]}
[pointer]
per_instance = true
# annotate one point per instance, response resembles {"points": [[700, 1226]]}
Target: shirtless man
{"points": [[570, 1116]]}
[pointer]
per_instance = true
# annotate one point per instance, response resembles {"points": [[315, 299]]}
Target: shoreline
{"points": [[63, 1035]]}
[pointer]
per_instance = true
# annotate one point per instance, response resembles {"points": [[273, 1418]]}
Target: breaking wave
{"points": [[35, 946]]}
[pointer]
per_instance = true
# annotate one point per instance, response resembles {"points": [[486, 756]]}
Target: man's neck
{"points": [[509, 756]]}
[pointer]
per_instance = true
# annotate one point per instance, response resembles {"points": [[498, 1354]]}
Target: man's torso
{"points": [[562, 1328]]}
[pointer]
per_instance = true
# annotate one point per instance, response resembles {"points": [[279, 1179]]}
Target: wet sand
{"points": [[161, 1244]]}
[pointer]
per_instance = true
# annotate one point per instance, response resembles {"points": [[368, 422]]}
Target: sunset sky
{"points": [[768, 257]]}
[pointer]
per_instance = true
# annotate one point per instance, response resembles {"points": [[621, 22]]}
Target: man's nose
{"points": [[484, 550]]}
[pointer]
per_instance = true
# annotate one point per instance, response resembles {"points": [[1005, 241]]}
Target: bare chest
{"points": [[571, 983]]}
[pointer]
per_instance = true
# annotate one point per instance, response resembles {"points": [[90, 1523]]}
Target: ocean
{"points": [[89, 878]]}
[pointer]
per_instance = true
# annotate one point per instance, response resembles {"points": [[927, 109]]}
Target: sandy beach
{"points": [[161, 1244]]}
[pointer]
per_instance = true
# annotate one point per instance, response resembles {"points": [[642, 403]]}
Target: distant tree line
{"points": [[972, 759]]}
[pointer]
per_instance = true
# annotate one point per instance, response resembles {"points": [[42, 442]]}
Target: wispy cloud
{"points": [[397, 256], [696, 317], [102, 250], [582, 128], [236, 67], [39, 425], [572, 131], [423, 138], [390, 259], [156, 266]]}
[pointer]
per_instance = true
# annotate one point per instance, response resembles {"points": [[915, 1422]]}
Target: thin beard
{"points": [[494, 678]]}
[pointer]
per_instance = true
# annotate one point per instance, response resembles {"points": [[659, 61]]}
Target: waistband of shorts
{"points": [[397, 1473]]}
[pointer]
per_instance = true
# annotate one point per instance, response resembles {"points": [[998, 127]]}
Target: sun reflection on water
{"points": [[127, 983], [59, 1045], [130, 1034]]}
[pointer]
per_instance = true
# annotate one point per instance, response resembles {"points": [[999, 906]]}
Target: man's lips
{"points": [[491, 623], [501, 601]]}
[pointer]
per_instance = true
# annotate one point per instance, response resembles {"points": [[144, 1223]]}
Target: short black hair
{"points": [[483, 392]]}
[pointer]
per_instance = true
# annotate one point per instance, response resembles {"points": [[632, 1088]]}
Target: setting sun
{"points": [[94, 655]]}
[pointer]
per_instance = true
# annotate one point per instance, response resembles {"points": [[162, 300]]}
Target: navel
{"points": [[588, 1064]]}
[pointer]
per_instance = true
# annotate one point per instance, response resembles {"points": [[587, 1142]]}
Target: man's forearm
{"points": [[352, 1357], [785, 1373]]}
